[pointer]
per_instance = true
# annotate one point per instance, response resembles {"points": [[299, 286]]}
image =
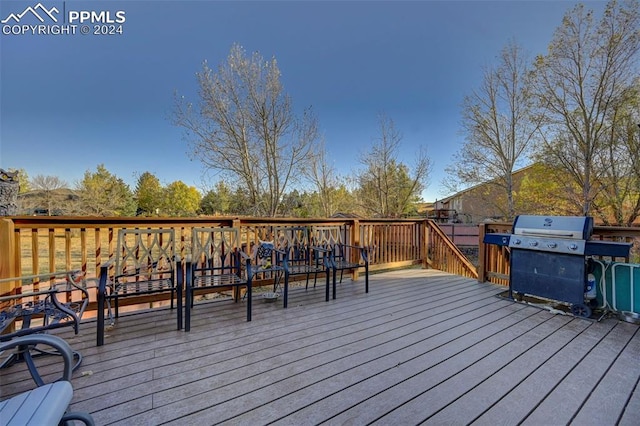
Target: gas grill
{"points": [[549, 257]]}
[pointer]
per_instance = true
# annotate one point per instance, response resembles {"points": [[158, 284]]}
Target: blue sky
{"points": [[69, 102]]}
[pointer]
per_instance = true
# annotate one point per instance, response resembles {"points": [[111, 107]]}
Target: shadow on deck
{"points": [[421, 346]]}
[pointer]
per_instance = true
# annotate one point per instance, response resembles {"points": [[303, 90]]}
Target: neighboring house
{"points": [[342, 215], [477, 204]]}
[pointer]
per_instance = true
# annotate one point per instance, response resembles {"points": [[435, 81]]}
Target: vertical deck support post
{"points": [[8, 259], [482, 253]]}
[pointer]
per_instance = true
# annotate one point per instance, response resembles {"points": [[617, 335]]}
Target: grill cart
{"points": [[549, 257]]}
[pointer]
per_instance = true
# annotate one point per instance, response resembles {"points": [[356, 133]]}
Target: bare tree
{"points": [[48, 185], [589, 65], [323, 176], [618, 202], [387, 187], [499, 126], [245, 128]]}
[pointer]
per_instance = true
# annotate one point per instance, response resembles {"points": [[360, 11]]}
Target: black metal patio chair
{"points": [[144, 264], [300, 256], [216, 263], [343, 256]]}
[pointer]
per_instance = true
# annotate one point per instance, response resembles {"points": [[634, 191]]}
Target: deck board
{"points": [[564, 402], [622, 377], [507, 397], [421, 347]]}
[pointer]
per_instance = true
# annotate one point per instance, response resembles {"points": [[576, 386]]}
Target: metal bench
{"points": [[48, 403]]}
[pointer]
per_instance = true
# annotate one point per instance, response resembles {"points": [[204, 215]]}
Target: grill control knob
{"points": [[552, 245], [533, 243], [573, 246], [517, 241]]}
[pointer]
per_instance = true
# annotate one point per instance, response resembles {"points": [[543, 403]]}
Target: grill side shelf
{"points": [[497, 239], [607, 248]]}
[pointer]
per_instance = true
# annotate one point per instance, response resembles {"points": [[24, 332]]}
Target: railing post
{"points": [[8, 259], [482, 261], [355, 241], [425, 246]]}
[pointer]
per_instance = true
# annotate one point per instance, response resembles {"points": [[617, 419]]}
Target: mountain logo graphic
{"points": [[38, 11]]}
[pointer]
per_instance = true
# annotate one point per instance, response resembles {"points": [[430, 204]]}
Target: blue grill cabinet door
{"points": [[553, 276]]}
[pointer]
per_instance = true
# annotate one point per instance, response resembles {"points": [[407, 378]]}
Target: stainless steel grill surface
{"points": [[560, 234]]}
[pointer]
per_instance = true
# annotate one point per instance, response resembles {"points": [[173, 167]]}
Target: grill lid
{"points": [[567, 227]]}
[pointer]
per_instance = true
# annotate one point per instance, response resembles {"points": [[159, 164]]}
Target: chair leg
{"points": [[112, 318], [326, 296], [334, 282], [366, 278], [249, 302], [179, 303], [100, 321], [286, 288], [188, 305]]}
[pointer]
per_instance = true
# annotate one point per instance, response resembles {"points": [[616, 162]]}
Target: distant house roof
{"points": [[342, 215], [474, 187], [64, 193]]}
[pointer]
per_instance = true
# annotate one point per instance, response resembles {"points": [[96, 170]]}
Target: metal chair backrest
{"points": [[216, 249], [297, 244], [145, 253], [328, 235]]}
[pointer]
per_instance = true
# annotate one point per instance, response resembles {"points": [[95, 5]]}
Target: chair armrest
{"points": [[45, 339], [320, 249], [28, 294], [104, 276], [364, 250], [53, 287], [77, 282]]}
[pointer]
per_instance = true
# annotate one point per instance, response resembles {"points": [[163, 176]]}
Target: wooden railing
{"points": [[493, 261], [38, 244], [445, 255]]}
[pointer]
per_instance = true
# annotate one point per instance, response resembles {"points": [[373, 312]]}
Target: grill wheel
{"points": [[580, 310]]}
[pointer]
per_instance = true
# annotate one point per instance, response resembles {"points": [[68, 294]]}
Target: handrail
{"points": [[447, 256]]}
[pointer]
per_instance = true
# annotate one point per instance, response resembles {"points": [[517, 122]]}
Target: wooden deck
{"points": [[421, 347]]}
